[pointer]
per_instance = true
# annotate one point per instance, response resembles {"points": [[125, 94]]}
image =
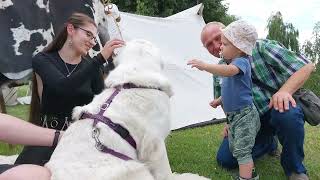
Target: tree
{"points": [[307, 49], [285, 33], [147, 7], [311, 48], [316, 44], [126, 5], [214, 10], [229, 19]]}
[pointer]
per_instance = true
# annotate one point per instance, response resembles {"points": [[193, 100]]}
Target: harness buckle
{"points": [[99, 146], [95, 132], [106, 107], [95, 136]]}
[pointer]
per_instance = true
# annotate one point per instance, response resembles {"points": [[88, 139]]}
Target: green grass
{"points": [[194, 150]]}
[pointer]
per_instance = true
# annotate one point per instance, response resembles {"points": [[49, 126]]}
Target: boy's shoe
{"points": [[275, 153], [255, 176], [301, 176]]}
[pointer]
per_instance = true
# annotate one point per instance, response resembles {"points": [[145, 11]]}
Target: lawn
{"points": [[194, 150]]}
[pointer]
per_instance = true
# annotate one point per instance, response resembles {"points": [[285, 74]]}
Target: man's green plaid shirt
{"points": [[272, 64]]}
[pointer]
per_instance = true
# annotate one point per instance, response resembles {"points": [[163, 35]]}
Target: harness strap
{"points": [[105, 149], [123, 132]]}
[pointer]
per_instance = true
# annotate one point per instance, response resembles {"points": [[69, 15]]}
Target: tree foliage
{"points": [[311, 48], [316, 44], [307, 49], [285, 33], [214, 10]]}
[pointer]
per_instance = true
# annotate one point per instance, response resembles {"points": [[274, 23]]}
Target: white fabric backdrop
{"points": [[178, 38]]}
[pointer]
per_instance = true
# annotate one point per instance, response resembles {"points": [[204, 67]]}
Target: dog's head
{"points": [[139, 62], [140, 51]]}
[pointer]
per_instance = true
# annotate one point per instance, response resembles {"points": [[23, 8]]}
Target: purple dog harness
{"points": [[123, 132]]}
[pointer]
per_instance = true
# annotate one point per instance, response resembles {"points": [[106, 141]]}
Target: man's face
{"points": [[211, 39]]}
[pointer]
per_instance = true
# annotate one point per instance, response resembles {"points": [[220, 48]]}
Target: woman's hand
{"points": [[110, 46]]}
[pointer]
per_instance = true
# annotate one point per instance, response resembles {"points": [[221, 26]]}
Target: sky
{"points": [[303, 14]]}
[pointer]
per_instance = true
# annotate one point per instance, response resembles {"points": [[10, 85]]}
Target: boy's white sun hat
{"points": [[242, 35]]}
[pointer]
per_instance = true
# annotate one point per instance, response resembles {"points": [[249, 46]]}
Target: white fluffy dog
{"points": [[143, 111]]}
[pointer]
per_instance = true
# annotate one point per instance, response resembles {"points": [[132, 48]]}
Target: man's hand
{"points": [[280, 101], [197, 64], [215, 103]]}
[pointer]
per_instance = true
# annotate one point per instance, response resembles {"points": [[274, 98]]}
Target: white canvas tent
{"points": [[178, 38]]}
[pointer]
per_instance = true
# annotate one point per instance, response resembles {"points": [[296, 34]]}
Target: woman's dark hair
{"points": [[77, 20]]}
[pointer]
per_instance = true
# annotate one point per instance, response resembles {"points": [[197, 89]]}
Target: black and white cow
{"points": [[27, 26]]}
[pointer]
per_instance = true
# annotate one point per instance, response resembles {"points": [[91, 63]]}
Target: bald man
{"points": [[277, 67]]}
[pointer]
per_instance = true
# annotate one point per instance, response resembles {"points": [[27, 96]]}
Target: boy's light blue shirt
{"points": [[236, 91]]}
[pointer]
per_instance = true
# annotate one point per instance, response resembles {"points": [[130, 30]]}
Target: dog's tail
{"points": [[187, 176]]}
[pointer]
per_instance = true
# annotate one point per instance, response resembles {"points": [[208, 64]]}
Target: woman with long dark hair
{"points": [[65, 77]]}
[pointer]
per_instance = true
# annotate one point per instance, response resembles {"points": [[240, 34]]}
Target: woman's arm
{"points": [[17, 131]]}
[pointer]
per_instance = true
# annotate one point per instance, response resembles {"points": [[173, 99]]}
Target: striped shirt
{"points": [[272, 64]]}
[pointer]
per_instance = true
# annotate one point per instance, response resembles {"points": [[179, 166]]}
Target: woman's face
{"points": [[84, 38]]}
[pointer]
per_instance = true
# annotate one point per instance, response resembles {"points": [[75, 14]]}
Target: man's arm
{"points": [[16, 131], [280, 100]]}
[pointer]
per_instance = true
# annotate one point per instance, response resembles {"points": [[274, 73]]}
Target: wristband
{"points": [[56, 138], [110, 59]]}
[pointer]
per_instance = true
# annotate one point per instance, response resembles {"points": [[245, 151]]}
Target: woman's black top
{"points": [[61, 93]]}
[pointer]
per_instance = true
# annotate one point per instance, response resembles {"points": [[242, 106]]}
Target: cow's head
{"points": [[104, 15], [27, 27]]}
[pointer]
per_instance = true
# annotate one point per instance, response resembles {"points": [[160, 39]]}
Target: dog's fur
{"points": [[144, 112]]}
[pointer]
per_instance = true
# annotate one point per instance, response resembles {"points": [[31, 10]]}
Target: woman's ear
{"points": [[70, 29]]}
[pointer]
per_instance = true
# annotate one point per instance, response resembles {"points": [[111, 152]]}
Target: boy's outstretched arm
{"points": [[217, 69]]}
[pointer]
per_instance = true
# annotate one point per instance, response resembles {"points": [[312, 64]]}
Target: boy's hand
{"points": [[225, 130], [197, 64], [215, 103]]}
